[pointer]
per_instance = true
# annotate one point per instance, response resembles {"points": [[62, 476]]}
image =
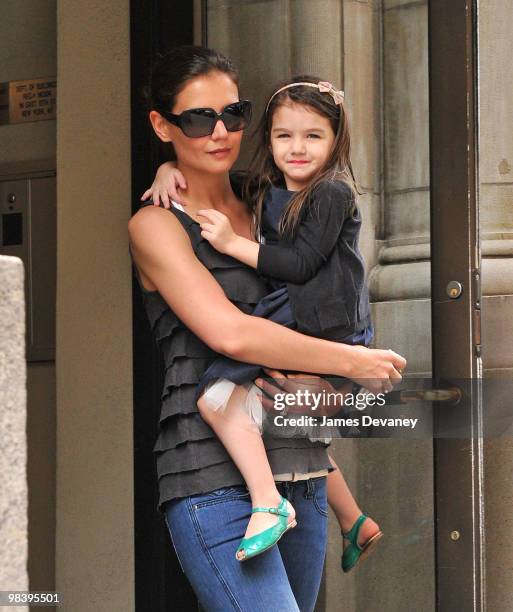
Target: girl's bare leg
{"points": [[244, 443], [345, 507]]}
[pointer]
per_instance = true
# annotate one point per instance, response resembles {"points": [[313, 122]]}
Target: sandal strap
{"points": [[271, 511], [281, 510], [352, 534]]}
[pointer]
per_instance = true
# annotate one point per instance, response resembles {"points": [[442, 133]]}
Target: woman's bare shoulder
{"points": [[154, 221], [150, 215]]}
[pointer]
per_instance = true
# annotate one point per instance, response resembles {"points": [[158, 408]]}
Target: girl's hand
{"points": [[217, 229], [165, 186]]}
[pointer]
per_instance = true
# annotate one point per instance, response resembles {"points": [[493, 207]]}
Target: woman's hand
{"points": [[165, 186], [303, 386], [375, 369], [217, 229]]}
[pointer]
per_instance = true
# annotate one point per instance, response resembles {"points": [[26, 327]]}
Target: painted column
{"points": [[95, 523]]}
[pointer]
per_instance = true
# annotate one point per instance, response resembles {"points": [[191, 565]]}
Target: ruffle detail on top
{"points": [[190, 458], [178, 400], [181, 429], [201, 454], [156, 306], [240, 287], [182, 344], [165, 325]]}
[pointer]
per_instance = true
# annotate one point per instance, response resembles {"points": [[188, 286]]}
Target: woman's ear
{"points": [[160, 126]]}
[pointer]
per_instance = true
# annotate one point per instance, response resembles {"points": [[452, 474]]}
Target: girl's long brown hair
{"points": [[263, 172]]}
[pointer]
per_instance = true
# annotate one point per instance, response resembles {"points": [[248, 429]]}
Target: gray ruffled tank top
{"points": [[190, 458]]}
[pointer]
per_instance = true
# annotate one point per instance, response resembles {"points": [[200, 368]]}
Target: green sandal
{"points": [[259, 543], [354, 553]]}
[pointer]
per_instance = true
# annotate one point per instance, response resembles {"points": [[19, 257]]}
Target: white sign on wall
{"points": [[28, 100]]}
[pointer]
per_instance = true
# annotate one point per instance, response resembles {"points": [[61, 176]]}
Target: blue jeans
{"points": [[207, 529]]}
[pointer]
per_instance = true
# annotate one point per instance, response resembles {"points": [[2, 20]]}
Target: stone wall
{"points": [[13, 413]]}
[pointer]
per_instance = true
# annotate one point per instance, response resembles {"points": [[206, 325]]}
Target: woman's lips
{"points": [[219, 152]]}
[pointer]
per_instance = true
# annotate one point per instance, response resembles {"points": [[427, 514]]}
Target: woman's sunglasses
{"points": [[197, 122]]}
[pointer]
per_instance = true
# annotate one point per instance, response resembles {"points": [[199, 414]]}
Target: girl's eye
{"points": [[313, 136], [282, 136]]}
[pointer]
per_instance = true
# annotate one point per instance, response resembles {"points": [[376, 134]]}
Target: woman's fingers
{"points": [[268, 387], [288, 382], [269, 390], [398, 361], [301, 375], [155, 197], [172, 191], [267, 402], [274, 373], [165, 199], [146, 194]]}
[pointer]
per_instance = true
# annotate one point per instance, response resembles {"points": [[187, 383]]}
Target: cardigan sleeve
{"points": [[315, 237]]}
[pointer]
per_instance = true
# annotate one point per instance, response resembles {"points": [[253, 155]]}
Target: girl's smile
{"points": [[301, 141]]}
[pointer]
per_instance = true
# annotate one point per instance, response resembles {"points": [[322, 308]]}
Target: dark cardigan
{"points": [[322, 264]]}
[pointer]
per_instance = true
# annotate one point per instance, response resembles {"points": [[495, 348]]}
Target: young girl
{"points": [[301, 187]]}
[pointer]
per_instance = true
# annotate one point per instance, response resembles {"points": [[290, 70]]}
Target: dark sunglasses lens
{"points": [[198, 122], [237, 116]]}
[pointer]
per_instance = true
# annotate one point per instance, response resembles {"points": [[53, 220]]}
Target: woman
{"points": [[198, 302]]}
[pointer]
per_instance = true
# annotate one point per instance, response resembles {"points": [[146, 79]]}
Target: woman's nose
{"points": [[219, 131]]}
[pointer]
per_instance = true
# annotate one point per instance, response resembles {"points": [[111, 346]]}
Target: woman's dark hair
{"points": [[174, 69], [263, 172]]}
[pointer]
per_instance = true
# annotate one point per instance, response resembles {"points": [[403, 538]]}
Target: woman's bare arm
{"points": [[163, 252]]}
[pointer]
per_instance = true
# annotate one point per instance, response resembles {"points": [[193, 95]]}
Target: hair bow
{"points": [[325, 86], [322, 86]]}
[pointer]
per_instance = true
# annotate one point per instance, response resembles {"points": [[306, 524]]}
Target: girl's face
{"points": [[214, 154], [301, 141]]}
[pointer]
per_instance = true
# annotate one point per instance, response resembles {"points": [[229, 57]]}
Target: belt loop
{"points": [[310, 489], [286, 489]]}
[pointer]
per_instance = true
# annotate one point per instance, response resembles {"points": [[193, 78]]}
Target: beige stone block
{"points": [[255, 36], [400, 281], [497, 329], [361, 85], [498, 459], [405, 327], [497, 276], [316, 39], [496, 210], [407, 216], [496, 91], [369, 205], [401, 4], [405, 85]]}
